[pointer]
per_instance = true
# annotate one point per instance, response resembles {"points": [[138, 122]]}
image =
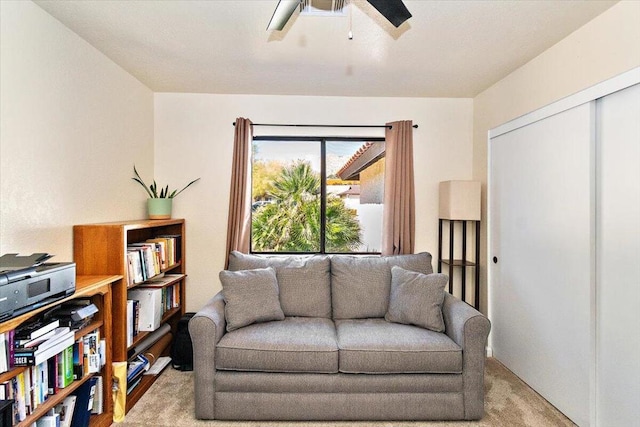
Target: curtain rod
{"points": [[324, 126]]}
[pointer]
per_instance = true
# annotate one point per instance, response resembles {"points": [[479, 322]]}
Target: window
{"points": [[317, 195]]}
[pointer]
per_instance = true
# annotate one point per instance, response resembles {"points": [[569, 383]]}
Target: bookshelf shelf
{"points": [[102, 249], [98, 288], [6, 376], [90, 327]]}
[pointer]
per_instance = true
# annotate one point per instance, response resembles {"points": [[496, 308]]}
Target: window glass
{"points": [[316, 195]]}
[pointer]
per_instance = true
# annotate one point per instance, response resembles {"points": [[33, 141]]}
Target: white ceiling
{"points": [[447, 49]]}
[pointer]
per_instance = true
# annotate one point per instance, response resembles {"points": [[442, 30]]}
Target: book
{"points": [[103, 352], [133, 384], [10, 345], [37, 344], [84, 403], [136, 367], [65, 367], [4, 353], [135, 266], [65, 409], [19, 391], [92, 351], [27, 391], [136, 317], [130, 322], [43, 370], [38, 384], [78, 359], [98, 400], [52, 374], [35, 329], [161, 244], [26, 343], [158, 367]]}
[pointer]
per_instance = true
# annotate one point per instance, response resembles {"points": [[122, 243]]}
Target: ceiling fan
{"points": [[393, 10]]}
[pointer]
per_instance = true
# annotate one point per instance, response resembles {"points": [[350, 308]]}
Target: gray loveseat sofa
{"points": [[333, 355]]}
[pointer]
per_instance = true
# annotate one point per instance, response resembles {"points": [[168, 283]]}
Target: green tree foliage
{"points": [[263, 173], [292, 222]]}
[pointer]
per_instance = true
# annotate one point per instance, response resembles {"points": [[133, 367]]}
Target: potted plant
{"points": [[159, 204]]}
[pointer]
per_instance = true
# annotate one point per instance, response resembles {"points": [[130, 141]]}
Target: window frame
{"points": [[323, 188]]}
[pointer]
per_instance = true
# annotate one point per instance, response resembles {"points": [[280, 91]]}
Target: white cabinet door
{"points": [[618, 259], [541, 196]]}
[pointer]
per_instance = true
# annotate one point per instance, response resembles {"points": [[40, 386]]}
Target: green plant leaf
{"points": [[185, 187], [152, 190], [139, 180]]}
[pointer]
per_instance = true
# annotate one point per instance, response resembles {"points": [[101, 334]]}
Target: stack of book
{"points": [[151, 257], [36, 343], [135, 369]]}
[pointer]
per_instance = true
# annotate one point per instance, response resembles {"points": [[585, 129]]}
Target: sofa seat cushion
{"points": [[295, 344], [375, 346]]}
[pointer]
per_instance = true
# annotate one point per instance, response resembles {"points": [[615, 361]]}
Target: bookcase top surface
{"points": [[139, 223]]}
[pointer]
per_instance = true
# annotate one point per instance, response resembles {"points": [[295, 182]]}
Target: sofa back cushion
{"points": [[361, 285], [304, 281]]}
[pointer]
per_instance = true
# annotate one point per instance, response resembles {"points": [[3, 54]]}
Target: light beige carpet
{"points": [[509, 402]]}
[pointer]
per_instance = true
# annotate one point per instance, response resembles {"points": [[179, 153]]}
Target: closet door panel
{"points": [[541, 197], [618, 259]]}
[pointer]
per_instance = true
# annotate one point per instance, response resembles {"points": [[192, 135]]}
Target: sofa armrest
{"points": [[469, 329], [206, 328]]}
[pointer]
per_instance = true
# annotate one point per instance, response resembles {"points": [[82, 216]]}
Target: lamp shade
{"points": [[460, 200]]}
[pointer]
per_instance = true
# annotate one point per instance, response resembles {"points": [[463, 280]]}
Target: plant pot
{"points": [[159, 208]]}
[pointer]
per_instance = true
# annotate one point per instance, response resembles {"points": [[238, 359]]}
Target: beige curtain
{"points": [[238, 227], [398, 223]]}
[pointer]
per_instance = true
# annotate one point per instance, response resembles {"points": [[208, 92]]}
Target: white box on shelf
{"points": [[150, 301]]}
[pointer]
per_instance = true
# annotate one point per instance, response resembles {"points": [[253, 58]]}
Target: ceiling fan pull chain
{"points": [[350, 34]]}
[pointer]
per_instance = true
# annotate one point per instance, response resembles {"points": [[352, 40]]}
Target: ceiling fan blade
{"points": [[281, 15], [394, 10]]}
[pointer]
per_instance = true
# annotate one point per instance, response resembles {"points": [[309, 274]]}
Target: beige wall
{"points": [[603, 48], [194, 138], [372, 183], [72, 125]]}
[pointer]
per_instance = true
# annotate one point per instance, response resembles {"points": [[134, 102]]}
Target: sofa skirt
{"points": [[338, 406], [330, 397]]}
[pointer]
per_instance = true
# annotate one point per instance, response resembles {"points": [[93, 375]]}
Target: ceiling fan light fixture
{"points": [[281, 15]]}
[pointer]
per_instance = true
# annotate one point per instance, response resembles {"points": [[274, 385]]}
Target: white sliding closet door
{"points": [[541, 197], [618, 259]]}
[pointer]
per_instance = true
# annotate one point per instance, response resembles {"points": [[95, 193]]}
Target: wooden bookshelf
{"points": [[98, 288], [101, 249]]}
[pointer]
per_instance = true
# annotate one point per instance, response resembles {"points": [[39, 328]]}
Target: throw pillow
{"points": [[304, 282], [250, 296], [416, 299]]}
